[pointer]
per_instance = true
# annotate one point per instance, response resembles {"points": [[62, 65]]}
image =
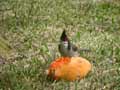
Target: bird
{"points": [[66, 48], [69, 68]]}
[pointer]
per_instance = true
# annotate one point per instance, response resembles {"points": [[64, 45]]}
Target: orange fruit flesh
{"points": [[69, 68]]}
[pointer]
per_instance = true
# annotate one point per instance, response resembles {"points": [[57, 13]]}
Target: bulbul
{"points": [[66, 48]]}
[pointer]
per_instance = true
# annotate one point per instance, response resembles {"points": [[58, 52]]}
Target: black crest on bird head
{"points": [[64, 36]]}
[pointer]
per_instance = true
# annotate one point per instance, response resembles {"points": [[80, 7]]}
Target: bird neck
{"points": [[65, 44]]}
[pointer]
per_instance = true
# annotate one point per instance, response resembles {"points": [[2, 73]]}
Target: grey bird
{"points": [[66, 48]]}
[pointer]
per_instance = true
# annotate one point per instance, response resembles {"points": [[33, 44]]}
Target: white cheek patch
{"points": [[65, 44]]}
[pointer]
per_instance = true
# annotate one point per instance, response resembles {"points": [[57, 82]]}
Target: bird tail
{"points": [[84, 49]]}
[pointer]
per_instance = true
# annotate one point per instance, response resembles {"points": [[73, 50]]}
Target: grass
{"points": [[32, 29]]}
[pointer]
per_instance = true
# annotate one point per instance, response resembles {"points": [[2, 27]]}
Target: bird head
{"points": [[64, 36], [64, 39]]}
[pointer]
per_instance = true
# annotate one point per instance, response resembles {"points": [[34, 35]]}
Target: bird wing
{"points": [[74, 47]]}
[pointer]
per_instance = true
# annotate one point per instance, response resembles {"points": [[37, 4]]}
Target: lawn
{"points": [[29, 38]]}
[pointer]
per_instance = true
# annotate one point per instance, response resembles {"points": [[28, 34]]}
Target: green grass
{"points": [[32, 29]]}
